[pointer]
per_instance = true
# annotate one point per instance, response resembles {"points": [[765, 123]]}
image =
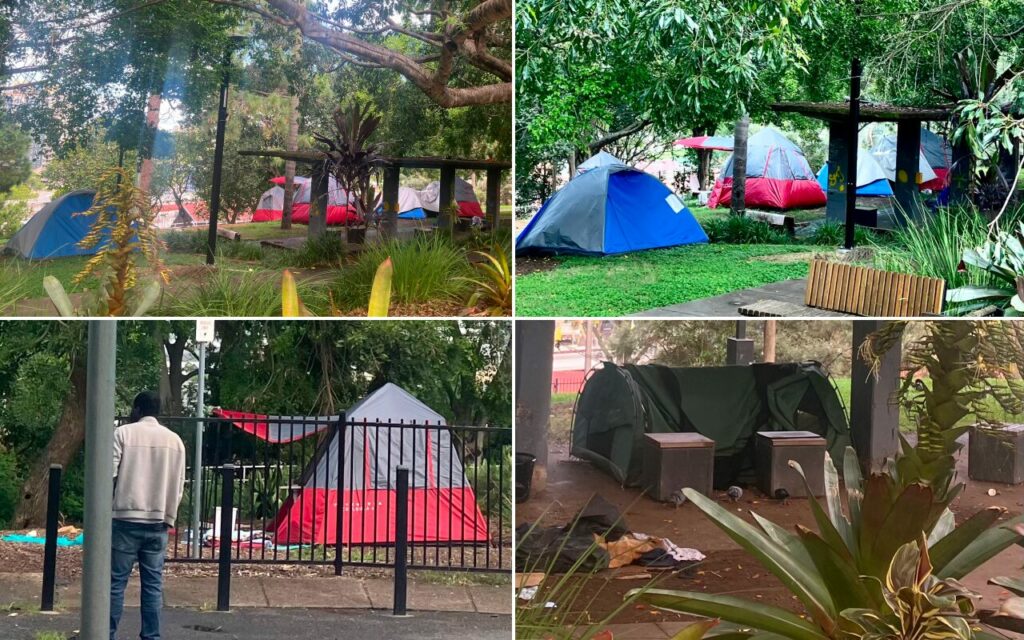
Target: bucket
{"points": [[524, 475]]}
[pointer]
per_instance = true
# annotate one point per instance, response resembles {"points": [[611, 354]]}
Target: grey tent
{"points": [[57, 230], [601, 159], [442, 504], [728, 404]]}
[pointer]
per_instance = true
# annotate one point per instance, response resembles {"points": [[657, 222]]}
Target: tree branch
{"points": [[600, 143]]}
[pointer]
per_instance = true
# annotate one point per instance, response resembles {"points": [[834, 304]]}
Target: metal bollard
{"points": [[50, 550], [401, 539], [227, 506], [339, 491]]}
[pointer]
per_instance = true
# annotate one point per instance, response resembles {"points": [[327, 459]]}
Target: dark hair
{"points": [[146, 404]]}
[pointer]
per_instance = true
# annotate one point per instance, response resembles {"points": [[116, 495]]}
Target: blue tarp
{"points": [[607, 210], [61, 542], [413, 214]]}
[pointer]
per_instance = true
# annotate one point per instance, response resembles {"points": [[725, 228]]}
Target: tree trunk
{"points": [[291, 144], [173, 404], [739, 167], [572, 165], [703, 160], [769, 341], [64, 445], [152, 124]]}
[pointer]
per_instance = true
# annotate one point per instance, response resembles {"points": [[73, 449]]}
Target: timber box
{"points": [[674, 461]]}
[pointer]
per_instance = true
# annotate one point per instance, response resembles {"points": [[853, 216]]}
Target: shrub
{"points": [[234, 293], [12, 216], [833, 234], [186, 241], [743, 230], [934, 246], [249, 251], [326, 250], [10, 487], [425, 269]]}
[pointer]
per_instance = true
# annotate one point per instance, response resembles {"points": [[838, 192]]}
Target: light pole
{"points": [[853, 139], [99, 478], [218, 149], [204, 335]]}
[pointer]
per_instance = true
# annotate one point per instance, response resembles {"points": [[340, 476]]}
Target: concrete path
{"points": [[728, 305], [279, 624], [276, 592]]}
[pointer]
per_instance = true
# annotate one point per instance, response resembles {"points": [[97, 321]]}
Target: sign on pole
{"points": [[204, 330]]}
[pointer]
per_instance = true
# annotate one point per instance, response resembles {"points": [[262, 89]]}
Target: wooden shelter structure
{"points": [[908, 122]]}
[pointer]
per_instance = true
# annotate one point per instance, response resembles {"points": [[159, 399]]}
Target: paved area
{"points": [[278, 624], [727, 305], [22, 591]]}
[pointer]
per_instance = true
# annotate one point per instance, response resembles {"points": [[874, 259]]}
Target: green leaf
{"points": [[854, 488], [58, 296], [1015, 585], [981, 549], [805, 584], [738, 610], [943, 551], [695, 631], [380, 294], [829, 532], [149, 297]]}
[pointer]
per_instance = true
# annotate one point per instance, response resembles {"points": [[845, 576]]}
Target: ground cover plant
{"points": [[630, 283]]}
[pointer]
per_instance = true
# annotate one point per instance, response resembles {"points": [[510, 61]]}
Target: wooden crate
{"points": [[870, 292]]}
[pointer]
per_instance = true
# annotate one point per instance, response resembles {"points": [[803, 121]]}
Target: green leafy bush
{"points": [[326, 250], [186, 241], [234, 293], [425, 269], [833, 234], [10, 486], [248, 251], [12, 215], [744, 230]]}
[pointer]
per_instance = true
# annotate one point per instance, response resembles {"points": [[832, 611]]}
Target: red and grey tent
{"points": [[778, 175], [442, 505], [271, 205]]}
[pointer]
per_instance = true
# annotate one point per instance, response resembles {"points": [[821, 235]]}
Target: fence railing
{"points": [[567, 381], [291, 474]]}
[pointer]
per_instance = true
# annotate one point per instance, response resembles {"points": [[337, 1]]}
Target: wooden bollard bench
{"points": [[864, 291]]}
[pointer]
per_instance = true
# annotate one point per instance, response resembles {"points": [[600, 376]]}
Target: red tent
{"points": [[778, 176], [339, 212], [442, 505]]}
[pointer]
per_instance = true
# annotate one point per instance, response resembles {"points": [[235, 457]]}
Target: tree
{"points": [[15, 167], [81, 165], [589, 76], [450, 36]]}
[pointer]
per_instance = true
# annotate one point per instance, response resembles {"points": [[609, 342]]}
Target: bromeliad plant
{"points": [[1002, 257], [852, 574]]}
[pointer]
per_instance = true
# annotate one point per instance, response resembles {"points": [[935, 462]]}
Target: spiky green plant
{"points": [[842, 567], [122, 231], [952, 371]]}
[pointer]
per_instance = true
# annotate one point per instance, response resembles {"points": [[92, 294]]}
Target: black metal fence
{"points": [[289, 475]]}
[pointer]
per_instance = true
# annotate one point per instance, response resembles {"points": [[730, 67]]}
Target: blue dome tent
{"points": [[607, 210], [871, 178], [55, 230]]}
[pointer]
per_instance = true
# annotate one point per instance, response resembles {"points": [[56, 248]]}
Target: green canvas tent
{"points": [[729, 404]]}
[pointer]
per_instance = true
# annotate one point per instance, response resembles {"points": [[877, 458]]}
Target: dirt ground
{"points": [[727, 569]]}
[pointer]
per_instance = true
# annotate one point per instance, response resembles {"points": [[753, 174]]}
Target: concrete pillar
{"points": [[534, 340], [493, 196], [960, 173], [835, 207], [874, 418], [908, 168], [445, 219], [389, 223], [318, 201]]}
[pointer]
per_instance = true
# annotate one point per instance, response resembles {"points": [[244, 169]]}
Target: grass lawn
{"points": [[634, 282], [264, 230]]}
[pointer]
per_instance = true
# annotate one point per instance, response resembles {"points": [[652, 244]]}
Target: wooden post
{"points": [[389, 223], [908, 166], [874, 419], [493, 196], [835, 206], [318, 201], [445, 219]]}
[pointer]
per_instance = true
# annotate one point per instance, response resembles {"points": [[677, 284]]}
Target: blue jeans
{"points": [[147, 544]]}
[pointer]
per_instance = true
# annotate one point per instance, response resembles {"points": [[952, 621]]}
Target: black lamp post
{"points": [[853, 139], [218, 149]]}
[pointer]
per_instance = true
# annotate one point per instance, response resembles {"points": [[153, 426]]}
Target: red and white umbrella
{"points": [[715, 143]]}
